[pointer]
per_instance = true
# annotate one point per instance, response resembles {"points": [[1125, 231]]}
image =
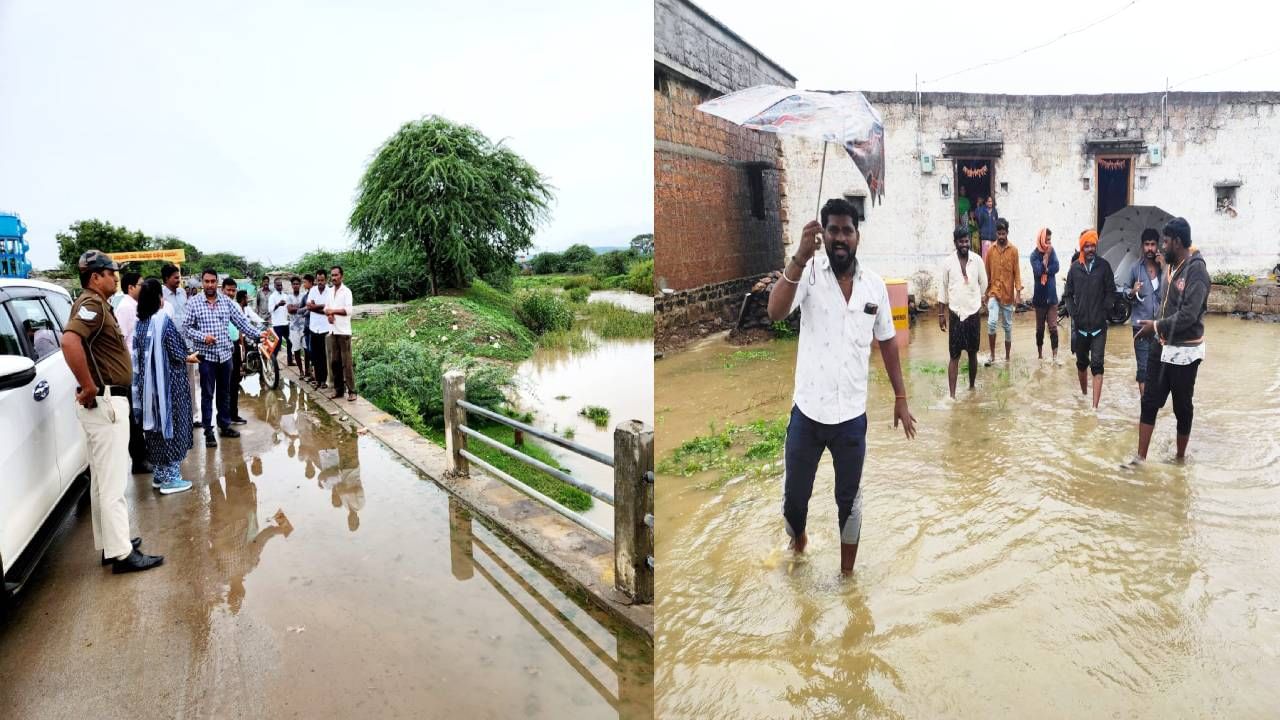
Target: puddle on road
{"points": [[1007, 568], [312, 573]]}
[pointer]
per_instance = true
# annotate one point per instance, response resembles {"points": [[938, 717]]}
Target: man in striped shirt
{"points": [[205, 327]]}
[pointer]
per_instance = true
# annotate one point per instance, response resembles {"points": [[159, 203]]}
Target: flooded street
{"points": [[311, 573], [1007, 567], [556, 384]]}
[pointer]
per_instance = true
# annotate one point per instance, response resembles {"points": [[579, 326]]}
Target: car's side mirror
{"points": [[16, 371]]}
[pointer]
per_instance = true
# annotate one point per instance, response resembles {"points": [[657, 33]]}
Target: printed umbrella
{"points": [[1121, 241], [840, 117]]}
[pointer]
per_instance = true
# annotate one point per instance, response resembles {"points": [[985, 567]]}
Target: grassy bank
{"points": [[734, 450], [401, 359]]}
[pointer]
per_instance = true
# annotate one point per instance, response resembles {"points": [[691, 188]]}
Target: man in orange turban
{"points": [[1089, 292]]}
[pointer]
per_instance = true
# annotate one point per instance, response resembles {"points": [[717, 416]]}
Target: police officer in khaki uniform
{"points": [[94, 350]]}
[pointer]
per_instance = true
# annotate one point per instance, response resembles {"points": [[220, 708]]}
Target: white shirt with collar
{"points": [[318, 323], [963, 296], [835, 341], [340, 299], [279, 315]]}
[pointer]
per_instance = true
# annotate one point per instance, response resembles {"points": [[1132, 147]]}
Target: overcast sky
{"points": [[882, 45], [245, 126]]}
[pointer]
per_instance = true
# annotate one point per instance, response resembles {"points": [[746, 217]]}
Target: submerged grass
{"points": [[739, 357], [735, 450]]}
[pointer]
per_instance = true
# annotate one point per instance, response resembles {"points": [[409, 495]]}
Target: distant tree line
{"points": [[87, 235]]}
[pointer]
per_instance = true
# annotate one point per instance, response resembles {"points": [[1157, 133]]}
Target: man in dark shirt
{"points": [[1090, 290], [93, 347], [1179, 327], [1148, 290]]}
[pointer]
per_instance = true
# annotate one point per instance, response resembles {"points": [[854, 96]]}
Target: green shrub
{"points": [[640, 278], [543, 311], [579, 294], [1239, 281], [614, 262], [585, 281]]}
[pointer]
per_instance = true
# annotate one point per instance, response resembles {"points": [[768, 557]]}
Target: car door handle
{"points": [[42, 390]]}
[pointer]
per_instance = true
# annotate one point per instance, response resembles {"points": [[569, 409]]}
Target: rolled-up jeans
{"points": [[995, 309]]}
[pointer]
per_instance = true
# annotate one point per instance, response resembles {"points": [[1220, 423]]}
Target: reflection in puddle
{"points": [[312, 573]]}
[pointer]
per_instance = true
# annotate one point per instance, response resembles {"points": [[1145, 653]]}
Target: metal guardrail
{"points": [[632, 495]]}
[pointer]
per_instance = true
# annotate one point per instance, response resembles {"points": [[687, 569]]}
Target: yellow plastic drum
{"points": [[898, 301]]}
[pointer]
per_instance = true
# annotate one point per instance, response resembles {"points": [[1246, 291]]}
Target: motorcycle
{"points": [[261, 358], [1119, 311]]}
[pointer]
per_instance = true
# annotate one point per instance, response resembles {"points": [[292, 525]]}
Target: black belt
{"points": [[124, 390]]}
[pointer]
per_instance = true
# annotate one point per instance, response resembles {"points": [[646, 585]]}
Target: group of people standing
{"points": [[137, 368], [1170, 287], [845, 306], [313, 320]]}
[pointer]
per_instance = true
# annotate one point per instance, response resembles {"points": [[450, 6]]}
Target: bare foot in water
{"points": [[798, 543]]}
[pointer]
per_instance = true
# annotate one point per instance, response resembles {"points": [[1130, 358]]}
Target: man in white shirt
{"points": [[127, 318], [963, 283], [843, 306], [337, 310], [319, 322], [174, 294], [278, 302]]}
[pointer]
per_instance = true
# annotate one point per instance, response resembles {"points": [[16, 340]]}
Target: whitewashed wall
{"points": [[1210, 137]]}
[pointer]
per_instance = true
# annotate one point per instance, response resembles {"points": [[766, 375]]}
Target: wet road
{"points": [[1007, 567], [310, 573]]}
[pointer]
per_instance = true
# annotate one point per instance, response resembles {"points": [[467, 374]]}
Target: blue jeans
{"points": [[1005, 315], [215, 382], [806, 440]]}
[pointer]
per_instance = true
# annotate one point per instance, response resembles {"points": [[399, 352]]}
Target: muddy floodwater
{"points": [[311, 573], [615, 374], [1007, 566]]}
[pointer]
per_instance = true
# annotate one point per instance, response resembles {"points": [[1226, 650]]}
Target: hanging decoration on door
{"points": [[980, 171], [1112, 164]]}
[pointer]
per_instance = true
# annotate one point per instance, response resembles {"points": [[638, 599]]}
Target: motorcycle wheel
{"points": [[1120, 311], [269, 373]]}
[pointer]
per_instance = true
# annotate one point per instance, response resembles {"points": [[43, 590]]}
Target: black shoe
{"points": [[239, 421], [209, 442], [229, 433], [136, 562], [142, 468], [136, 542]]}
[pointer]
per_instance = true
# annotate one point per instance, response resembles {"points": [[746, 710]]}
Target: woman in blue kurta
{"points": [[161, 393], [1044, 298]]}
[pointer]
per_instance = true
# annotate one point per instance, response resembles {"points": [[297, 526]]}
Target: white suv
{"points": [[44, 461]]}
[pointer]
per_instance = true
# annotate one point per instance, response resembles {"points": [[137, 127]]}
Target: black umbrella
{"points": [[1121, 241]]}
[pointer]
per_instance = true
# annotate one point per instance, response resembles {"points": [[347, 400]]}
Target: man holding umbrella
{"points": [[843, 307], [1148, 290]]}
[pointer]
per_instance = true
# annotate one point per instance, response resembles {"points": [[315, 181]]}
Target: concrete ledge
{"points": [[582, 559]]}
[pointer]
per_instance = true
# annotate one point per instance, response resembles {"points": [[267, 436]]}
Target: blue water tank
{"points": [[13, 247]]}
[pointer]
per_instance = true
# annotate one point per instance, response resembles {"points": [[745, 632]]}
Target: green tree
{"points": [[191, 265], [547, 263], [235, 265], [577, 257], [86, 235], [643, 244], [612, 263], [470, 204]]}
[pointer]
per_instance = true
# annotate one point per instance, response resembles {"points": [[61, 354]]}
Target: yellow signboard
{"points": [[178, 256]]}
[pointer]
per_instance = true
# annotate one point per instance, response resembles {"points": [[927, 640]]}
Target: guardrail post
{"points": [[455, 389], [633, 500]]}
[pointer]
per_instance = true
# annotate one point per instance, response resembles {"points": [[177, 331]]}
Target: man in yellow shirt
{"points": [[1004, 288]]}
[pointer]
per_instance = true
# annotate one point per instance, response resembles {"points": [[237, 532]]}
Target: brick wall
{"points": [[712, 238], [702, 310]]}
